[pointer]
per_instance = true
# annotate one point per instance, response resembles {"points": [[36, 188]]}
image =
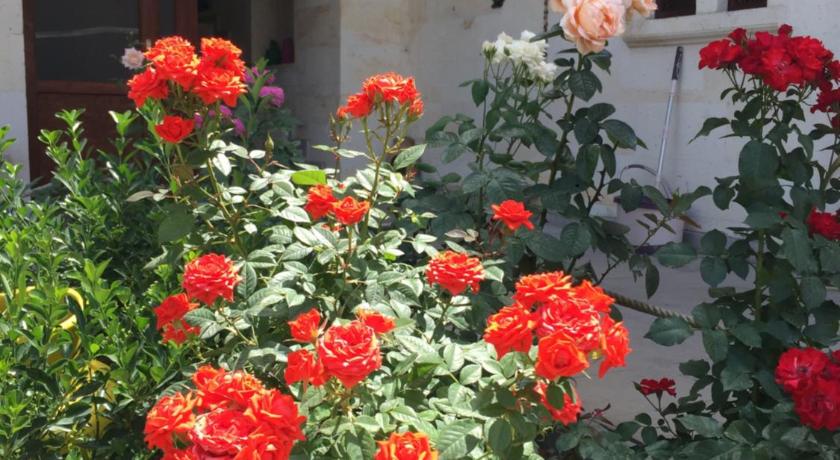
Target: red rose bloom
{"points": [[616, 345], [174, 129], [147, 85], [306, 327], [558, 356], [358, 106], [179, 331], [824, 224], [511, 329], [217, 388], [719, 54], [349, 211], [319, 201], [552, 287], [455, 272], [171, 418], [216, 85], [406, 446], [303, 366], [209, 277], [350, 352], [652, 386], [220, 434], [798, 366], [567, 414], [818, 405], [513, 214], [380, 323], [173, 308]]}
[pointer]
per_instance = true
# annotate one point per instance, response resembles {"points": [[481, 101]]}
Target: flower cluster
{"points": [[384, 90], [513, 214], [170, 318], [321, 202], [229, 415], [825, 224], [779, 60], [455, 272], [590, 23], [206, 279], [406, 446], [813, 378], [348, 352], [571, 324], [525, 53]]}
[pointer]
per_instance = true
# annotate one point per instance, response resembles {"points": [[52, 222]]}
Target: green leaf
{"points": [[651, 279], [812, 290], [309, 177], [480, 88], [621, 134], [797, 250], [575, 239], [757, 164], [695, 368], [747, 334], [675, 255], [585, 131], [409, 156], [600, 111], [295, 214], [584, 84], [713, 243], [713, 270], [716, 344], [669, 331], [704, 426], [177, 224], [555, 395], [710, 125], [457, 439], [500, 435], [546, 246]]}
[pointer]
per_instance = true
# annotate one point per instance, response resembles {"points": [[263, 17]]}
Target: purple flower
{"points": [[275, 93], [253, 73], [198, 119], [238, 127], [225, 111]]}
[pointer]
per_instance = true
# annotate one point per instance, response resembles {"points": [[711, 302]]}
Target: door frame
{"points": [[186, 25]]}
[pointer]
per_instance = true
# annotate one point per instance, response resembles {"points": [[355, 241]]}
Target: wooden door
{"points": [[73, 51]]}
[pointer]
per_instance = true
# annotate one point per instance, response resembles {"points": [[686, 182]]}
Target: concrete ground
{"points": [[680, 290]]}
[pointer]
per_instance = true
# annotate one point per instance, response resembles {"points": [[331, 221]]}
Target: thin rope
{"points": [[649, 309], [545, 16]]}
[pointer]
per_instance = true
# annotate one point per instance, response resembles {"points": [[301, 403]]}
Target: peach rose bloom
{"points": [[590, 23], [557, 6], [645, 8]]}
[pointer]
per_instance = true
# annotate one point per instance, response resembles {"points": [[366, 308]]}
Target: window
{"points": [[674, 8], [735, 5]]}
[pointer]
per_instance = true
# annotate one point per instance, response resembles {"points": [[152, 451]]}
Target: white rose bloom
{"points": [[545, 71], [132, 59]]}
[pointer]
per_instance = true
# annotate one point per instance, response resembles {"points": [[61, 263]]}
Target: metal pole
{"points": [[675, 77]]}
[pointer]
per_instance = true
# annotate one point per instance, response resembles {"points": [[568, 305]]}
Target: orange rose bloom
{"points": [[594, 296], [303, 366], [209, 277], [174, 59], [380, 323], [455, 272], [579, 322], [390, 87], [406, 446], [571, 407], [174, 129], [171, 417], [173, 308], [222, 433], [543, 287], [216, 85], [147, 85], [358, 106], [513, 214], [319, 201], [277, 415], [616, 345], [218, 53], [417, 108], [179, 331], [217, 388], [306, 326], [511, 329], [558, 356], [350, 352], [349, 211]]}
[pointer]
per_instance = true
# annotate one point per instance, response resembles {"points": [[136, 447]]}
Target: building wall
{"points": [[13, 80]]}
